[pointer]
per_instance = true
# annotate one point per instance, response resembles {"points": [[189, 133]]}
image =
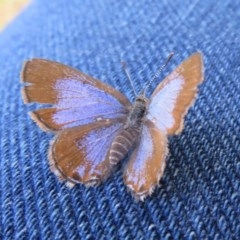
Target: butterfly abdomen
{"points": [[122, 143], [125, 140]]}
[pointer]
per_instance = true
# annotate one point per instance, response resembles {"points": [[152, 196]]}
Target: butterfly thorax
{"points": [[137, 112], [127, 137]]}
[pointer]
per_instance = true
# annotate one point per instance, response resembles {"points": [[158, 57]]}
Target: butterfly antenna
{"points": [[158, 72], [124, 66]]}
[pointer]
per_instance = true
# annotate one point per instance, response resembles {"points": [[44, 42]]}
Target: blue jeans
{"points": [[199, 194]]}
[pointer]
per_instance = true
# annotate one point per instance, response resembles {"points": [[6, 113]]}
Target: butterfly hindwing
{"points": [[172, 98], [80, 154], [147, 161], [76, 99]]}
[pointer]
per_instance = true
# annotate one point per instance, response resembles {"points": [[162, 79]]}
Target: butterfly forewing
{"points": [[81, 154], [147, 162], [76, 98], [175, 94]]}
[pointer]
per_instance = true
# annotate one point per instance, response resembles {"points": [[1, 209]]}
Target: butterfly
{"points": [[96, 126]]}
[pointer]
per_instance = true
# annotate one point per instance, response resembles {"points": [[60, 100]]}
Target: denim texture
{"points": [[199, 194]]}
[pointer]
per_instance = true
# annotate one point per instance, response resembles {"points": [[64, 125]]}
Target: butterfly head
{"points": [[142, 99]]}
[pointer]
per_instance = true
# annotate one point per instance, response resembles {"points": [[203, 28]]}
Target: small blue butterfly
{"points": [[96, 126]]}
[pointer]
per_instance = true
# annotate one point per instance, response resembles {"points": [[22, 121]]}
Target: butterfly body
{"points": [[128, 136], [95, 126]]}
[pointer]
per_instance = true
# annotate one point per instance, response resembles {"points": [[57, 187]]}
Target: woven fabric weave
{"points": [[199, 194]]}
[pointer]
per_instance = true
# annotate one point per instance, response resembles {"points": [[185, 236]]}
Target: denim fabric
{"points": [[199, 194]]}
